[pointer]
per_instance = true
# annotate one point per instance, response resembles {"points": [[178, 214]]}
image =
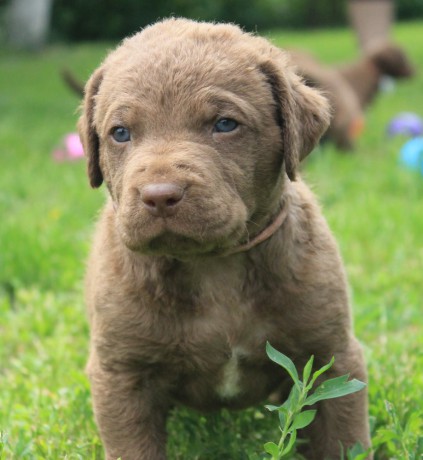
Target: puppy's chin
{"points": [[172, 245], [179, 246], [166, 238]]}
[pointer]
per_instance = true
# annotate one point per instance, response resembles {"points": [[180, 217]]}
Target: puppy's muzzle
{"points": [[162, 199]]}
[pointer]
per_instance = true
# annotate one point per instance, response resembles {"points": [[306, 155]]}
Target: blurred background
{"points": [[30, 23]]}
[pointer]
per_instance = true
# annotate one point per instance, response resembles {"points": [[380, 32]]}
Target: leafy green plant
{"points": [[403, 439], [3, 442], [292, 417]]}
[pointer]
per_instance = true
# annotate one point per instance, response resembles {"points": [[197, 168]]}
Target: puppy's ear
{"points": [[87, 130], [302, 113]]}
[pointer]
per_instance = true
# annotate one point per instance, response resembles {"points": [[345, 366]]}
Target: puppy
{"points": [[352, 87], [209, 244], [364, 75], [347, 120]]}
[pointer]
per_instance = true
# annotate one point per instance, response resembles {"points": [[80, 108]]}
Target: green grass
{"points": [[47, 210]]}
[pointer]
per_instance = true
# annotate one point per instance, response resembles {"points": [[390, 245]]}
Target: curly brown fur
{"points": [[173, 320]]}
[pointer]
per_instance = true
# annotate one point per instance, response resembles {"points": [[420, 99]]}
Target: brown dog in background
{"points": [[352, 87], [347, 119], [210, 244], [382, 60]]}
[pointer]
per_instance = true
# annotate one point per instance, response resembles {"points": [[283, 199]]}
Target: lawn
{"points": [[47, 211]]}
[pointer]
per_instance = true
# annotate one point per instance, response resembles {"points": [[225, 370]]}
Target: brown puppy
{"points": [[348, 118], [364, 75], [352, 87], [210, 244]]}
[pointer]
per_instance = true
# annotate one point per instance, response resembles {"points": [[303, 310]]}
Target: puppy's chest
{"points": [[220, 348], [230, 382], [210, 336]]}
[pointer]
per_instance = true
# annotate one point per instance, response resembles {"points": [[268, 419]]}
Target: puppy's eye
{"points": [[225, 125], [121, 134]]}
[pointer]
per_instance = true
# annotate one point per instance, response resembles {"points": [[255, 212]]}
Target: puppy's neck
{"points": [[265, 234], [363, 76]]}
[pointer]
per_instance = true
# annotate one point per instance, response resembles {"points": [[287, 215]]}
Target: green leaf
{"points": [[335, 388], [293, 399], [279, 358], [357, 452], [272, 408], [384, 435], [307, 370], [303, 419], [292, 438], [320, 371], [272, 449], [414, 423], [283, 416]]}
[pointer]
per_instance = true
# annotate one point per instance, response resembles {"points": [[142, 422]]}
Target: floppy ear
{"points": [[302, 113], [87, 131]]}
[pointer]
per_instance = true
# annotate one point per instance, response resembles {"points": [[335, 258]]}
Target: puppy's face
{"points": [[393, 61], [193, 127]]}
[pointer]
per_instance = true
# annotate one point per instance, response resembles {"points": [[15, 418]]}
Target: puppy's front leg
{"points": [[130, 416], [341, 421]]}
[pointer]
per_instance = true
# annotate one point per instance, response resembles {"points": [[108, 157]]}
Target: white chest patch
{"points": [[229, 386]]}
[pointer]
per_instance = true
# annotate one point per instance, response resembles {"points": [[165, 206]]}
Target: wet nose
{"points": [[161, 199]]}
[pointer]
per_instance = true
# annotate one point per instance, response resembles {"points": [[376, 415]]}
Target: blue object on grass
{"points": [[406, 123], [411, 154]]}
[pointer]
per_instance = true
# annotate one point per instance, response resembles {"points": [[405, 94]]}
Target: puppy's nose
{"points": [[161, 200]]}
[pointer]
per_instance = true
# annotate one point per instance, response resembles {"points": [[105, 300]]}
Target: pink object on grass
{"points": [[74, 146], [71, 148]]}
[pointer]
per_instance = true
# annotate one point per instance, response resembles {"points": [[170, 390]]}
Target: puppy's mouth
{"points": [[181, 238], [180, 246]]}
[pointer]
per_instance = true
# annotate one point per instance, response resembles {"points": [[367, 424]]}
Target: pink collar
{"points": [[265, 234]]}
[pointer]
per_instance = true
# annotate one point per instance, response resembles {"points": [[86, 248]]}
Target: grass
{"points": [[47, 210]]}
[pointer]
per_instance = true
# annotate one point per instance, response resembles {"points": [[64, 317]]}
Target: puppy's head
{"points": [[391, 60], [194, 128]]}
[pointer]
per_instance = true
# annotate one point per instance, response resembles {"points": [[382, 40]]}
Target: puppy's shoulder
{"points": [[304, 207], [306, 237]]}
